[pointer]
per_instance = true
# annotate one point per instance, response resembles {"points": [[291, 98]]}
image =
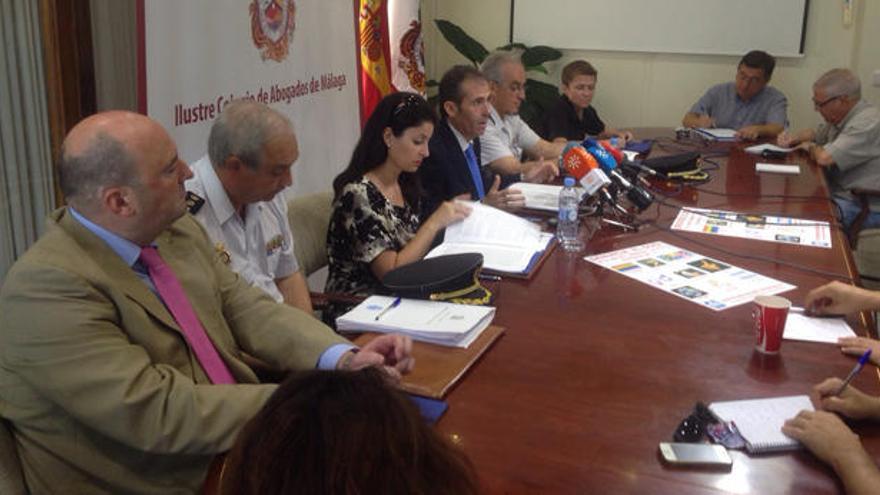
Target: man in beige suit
{"points": [[102, 389]]}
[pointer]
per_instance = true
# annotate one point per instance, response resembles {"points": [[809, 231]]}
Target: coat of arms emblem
{"points": [[272, 25]]}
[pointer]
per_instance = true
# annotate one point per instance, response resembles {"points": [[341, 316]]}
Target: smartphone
{"points": [[702, 454]]}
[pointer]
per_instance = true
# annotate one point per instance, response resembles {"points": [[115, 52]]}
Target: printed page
{"points": [[542, 196], [509, 259], [759, 148], [702, 280], [488, 225], [812, 329], [814, 233], [776, 168], [719, 133], [439, 320]]}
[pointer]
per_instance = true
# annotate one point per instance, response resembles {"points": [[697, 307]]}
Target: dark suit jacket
{"points": [[445, 173]]}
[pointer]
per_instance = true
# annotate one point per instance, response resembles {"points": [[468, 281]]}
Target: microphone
{"points": [[635, 193], [583, 167], [614, 150]]}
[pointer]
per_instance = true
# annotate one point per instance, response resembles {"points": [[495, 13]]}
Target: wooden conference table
{"points": [[595, 368]]}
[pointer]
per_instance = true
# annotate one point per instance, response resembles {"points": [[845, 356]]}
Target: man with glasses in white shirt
{"points": [[846, 144]]}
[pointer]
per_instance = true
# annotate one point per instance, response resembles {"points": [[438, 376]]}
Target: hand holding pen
{"points": [[839, 396], [855, 371]]}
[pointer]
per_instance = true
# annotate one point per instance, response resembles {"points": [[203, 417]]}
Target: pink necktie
{"points": [[172, 294]]}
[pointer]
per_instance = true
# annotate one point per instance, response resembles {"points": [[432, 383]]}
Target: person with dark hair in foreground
{"points": [[376, 224], [343, 433], [746, 104]]}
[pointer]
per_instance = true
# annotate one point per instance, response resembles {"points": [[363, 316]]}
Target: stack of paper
{"points": [[542, 196], [454, 325], [759, 421], [508, 243], [760, 148], [718, 133], [799, 326]]}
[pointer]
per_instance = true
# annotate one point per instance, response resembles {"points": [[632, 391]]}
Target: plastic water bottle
{"points": [[567, 227]]}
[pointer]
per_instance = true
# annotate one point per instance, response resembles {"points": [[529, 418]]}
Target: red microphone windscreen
{"points": [[581, 165], [616, 153]]}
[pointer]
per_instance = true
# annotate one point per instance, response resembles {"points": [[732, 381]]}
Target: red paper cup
{"points": [[769, 314]]}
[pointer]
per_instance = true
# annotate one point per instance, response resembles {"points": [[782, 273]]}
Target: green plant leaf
{"points": [[540, 97], [530, 113], [543, 95], [537, 55], [470, 48], [537, 68], [511, 46]]}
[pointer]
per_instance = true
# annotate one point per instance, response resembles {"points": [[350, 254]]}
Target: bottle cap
{"points": [[568, 182]]}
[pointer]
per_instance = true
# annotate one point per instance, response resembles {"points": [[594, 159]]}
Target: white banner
{"points": [[297, 56]]}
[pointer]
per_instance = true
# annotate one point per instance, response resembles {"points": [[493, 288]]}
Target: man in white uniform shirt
{"points": [[235, 194], [507, 135]]}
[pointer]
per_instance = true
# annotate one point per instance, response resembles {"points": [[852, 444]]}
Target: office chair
{"points": [[309, 217], [863, 196]]}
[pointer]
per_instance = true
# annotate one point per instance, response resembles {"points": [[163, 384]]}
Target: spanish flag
{"points": [[390, 50], [373, 54]]}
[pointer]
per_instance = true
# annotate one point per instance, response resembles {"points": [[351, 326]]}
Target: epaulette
{"points": [[194, 202]]}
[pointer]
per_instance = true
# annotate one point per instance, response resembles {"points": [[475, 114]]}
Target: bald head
{"points": [[102, 151], [243, 129], [121, 171]]}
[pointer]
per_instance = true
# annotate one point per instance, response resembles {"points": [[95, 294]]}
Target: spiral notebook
{"points": [[759, 421]]}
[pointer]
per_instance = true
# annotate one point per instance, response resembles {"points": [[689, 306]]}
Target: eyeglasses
{"points": [[819, 104], [693, 428]]}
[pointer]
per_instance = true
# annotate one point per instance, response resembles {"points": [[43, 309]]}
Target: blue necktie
{"points": [[475, 170]]}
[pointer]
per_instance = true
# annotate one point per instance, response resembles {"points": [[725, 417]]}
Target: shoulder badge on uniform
{"points": [[194, 202], [221, 251]]}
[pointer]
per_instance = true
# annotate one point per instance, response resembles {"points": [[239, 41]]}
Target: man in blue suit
{"points": [[453, 167]]}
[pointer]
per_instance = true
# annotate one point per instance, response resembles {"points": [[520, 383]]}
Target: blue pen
{"points": [[852, 374], [391, 306]]}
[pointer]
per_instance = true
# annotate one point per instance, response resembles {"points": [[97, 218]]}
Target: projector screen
{"points": [[718, 27]]}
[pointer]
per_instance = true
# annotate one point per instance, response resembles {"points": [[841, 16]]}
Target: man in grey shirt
{"points": [[747, 105], [847, 144]]}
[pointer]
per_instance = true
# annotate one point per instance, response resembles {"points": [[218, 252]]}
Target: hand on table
{"points": [[748, 133], [785, 139], [704, 121], [391, 352], [825, 435], [506, 199], [540, 171], [837, 298], [852, 402], [856, 346]]}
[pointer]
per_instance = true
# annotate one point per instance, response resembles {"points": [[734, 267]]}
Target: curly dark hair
{"points": [[343, 432]]}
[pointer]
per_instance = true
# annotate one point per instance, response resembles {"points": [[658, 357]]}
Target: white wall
{"points": [[644, 89]]}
